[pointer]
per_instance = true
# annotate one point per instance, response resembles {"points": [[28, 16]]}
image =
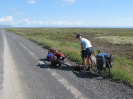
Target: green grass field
{"points": [[116, 41]]}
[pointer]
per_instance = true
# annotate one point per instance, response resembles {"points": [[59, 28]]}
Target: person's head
{"points": [[79, 35]]}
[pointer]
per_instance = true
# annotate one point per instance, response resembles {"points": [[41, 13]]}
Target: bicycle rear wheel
{"points": [[105, 72]]}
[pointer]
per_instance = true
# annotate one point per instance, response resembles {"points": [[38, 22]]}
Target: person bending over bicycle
{"points": [[87, 50]]}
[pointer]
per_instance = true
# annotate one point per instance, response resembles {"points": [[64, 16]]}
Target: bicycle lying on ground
{"points": [[101, 64], [56, 58]]}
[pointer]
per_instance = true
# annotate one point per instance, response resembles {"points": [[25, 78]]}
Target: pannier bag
{"points": [[102, 59], [58, 54], [53, 59], [111, 60], [55, 62]]}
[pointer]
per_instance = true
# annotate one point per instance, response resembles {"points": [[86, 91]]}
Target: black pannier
{"points": [[104, 60], [101, 62], [111, 60]]}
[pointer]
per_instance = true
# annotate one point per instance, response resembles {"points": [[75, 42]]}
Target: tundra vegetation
{"points": [[116, 41]]}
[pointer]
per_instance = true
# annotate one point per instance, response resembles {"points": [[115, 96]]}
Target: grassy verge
{"points": [[64, 40]]}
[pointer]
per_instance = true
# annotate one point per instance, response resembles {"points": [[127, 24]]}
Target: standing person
{"points": [[87, 50]]}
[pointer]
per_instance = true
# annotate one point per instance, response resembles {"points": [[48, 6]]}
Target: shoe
{"points": [[88, 69]]}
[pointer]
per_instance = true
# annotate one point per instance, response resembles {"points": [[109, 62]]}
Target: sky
{"points": [[66, 13]]}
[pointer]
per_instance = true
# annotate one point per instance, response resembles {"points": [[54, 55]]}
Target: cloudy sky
{"points": [[66, 13]]}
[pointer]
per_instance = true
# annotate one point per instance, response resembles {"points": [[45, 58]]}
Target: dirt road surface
{"points": [[22, 78]]}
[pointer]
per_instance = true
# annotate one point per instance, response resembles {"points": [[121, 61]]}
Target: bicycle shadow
{"points": [[44, 64], [88, 74]]}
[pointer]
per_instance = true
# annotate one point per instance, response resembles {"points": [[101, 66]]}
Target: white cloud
{"points": [[6, 19], [61, 23], [31, 1], [79, 23], [27, 22], [69, 1]]}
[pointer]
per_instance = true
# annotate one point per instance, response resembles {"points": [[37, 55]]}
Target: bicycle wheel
{"points": [[105, 72]]}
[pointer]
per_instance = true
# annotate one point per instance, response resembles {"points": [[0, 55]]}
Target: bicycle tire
{"points": [[106, 72]]}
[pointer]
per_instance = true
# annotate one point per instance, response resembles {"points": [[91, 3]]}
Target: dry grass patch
{"points": [[116, 39]]}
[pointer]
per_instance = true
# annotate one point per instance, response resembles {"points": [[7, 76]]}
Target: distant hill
{"points": [[5, 26]]}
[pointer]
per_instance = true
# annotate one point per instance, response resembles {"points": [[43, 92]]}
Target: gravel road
{"points": [[22, 78]]}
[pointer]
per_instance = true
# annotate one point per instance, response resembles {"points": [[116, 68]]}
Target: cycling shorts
{"points": [[87, 52]]}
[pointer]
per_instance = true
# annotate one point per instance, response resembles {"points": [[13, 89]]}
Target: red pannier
{"points": [[58, 54]]}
